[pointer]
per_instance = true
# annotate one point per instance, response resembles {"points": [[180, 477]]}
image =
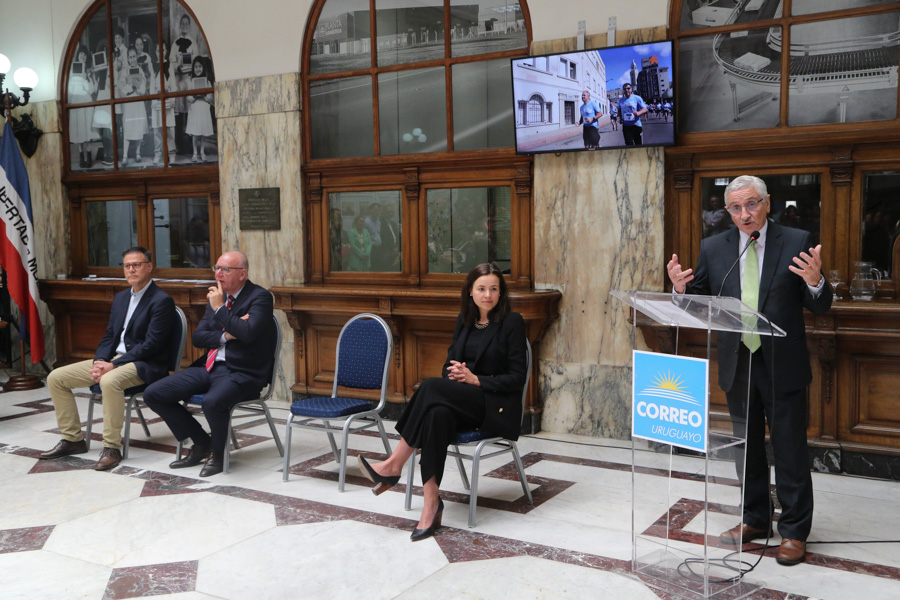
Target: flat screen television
{"points": [[567, 101]]}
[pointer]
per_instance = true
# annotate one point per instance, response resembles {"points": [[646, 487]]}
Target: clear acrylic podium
{"points": [[680, 503]]}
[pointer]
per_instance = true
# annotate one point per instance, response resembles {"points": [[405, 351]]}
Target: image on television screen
{"points": [[597, 99]]}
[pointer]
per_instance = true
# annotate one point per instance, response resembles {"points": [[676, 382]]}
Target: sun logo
{"points": [[669, 386], [669, 382]]}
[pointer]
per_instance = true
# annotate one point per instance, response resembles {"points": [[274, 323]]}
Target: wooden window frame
{"points": [[141, 186], [412, 175]]}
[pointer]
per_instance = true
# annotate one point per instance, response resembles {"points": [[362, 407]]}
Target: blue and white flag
{"points": [[17, 255]]}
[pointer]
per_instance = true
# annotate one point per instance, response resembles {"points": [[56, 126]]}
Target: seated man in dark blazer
{"points": [[780, 274], [134, 350], [239, 335]]}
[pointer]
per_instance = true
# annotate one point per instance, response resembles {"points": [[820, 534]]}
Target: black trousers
{"points": [[787, 417], [632, 135], [222, 388], [437, 411]]}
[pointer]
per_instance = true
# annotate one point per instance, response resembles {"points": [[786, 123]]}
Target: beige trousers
{"points": [[63, 380]]}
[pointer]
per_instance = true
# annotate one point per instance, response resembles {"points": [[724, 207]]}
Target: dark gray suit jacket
{"points": [[782, 297]]}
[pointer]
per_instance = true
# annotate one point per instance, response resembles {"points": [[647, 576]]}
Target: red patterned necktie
{"points": [[211, 356]]}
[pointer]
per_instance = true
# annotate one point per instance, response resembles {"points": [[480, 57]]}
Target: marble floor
{"points": [[142, 529]]}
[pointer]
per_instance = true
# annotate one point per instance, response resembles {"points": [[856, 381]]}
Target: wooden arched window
{"points": [[141, 162], [408, 142]]}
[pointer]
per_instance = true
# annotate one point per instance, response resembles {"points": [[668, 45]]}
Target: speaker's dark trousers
{"points": [[223, 389]]}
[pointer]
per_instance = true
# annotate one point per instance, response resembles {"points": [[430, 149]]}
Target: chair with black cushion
{"points": [[480, 441], [135, 395], [248, 408], [362, 360]]}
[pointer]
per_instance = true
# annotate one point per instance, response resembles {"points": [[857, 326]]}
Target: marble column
{"points": [[259, 147], [598, 227], [51, 216]]}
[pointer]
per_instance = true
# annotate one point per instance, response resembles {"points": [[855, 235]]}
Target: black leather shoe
{"points": [[213, 464], [64, 448], [382, 483], [196, 456], [421, 534]]}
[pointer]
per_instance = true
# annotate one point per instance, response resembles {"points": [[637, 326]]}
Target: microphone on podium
{"points": [[753, 237]]}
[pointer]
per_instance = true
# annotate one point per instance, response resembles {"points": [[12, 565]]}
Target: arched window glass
{"points": [[406, 80], [141, 163], [139, 89], [411, 172]]}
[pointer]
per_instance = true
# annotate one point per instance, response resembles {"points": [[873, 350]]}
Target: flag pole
{"points": [[25, 381]]}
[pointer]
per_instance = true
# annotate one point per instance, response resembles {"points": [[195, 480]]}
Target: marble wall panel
{"points": [[598, 227], [259, 143], [50, 209], [587, 399], [258, 95]]}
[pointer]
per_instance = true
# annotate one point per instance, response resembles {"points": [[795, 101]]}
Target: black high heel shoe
{"points": [[421, 534], [382, 483]]}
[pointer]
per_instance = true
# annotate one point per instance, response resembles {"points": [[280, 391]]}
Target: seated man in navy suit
{"points": [[134, 350], [239, 335]]}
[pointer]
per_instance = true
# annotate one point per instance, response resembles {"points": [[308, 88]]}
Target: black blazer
{"points": [[147, 337], [782, 297], [251, 354], [500, 365]]}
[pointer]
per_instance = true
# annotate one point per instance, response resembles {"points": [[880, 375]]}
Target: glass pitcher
{"points": [[862, 287]]}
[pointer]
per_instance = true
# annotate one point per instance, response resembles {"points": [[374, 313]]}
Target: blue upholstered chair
{"points": [[479, 441], [362, 360], [135, 395], [247, 409]]}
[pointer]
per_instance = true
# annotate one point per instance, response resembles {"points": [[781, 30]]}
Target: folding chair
{"points": [[362, 359]]}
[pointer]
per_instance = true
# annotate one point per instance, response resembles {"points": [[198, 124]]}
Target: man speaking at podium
{"points": [[773, 269]]}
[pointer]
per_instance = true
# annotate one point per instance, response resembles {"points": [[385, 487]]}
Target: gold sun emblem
{"points": [[669, 382]]}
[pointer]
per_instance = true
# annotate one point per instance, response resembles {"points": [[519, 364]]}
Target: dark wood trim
{"points": [[422, 320]]}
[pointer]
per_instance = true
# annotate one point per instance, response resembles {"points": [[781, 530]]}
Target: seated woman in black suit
{"points": [[481, 388]]}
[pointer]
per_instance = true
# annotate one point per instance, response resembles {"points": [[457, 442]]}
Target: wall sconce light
{"points": [[25, 130]]}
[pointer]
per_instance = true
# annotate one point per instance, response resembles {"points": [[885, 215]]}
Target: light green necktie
{"points": [[750, 295]]}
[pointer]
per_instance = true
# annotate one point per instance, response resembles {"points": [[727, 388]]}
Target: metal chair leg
{"points": [[410, 479], [342, 468], [473, 492], [285, 471], [142, 419], [383, 433], [462, 469], [521, 470], [275, 435], [90, 421]]}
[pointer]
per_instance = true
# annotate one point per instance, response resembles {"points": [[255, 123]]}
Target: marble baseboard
{"points": [[868, 464], [586, 399]]}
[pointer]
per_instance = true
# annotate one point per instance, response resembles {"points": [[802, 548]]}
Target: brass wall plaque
{"points": [[259, 209]]}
